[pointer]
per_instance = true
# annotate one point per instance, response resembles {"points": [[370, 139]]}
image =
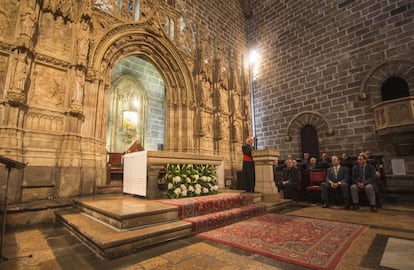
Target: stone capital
{"points": [[265, 155], [16, 97]]}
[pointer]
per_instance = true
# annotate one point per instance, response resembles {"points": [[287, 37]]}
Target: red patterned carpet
{"points": [[212, 211], [313, 243], [210, 221], [197, 206]]}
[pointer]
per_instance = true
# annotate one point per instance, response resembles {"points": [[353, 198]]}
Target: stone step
{"points": [[116, 225], [126, 212], [113, 187], [278, 206], [110, 243], [218, 219], [258, 197]]}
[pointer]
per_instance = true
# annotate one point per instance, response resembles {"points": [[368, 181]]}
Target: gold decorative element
{"points": [[363, 96]]}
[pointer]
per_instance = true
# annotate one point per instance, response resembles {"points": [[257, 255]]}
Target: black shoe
{"points": [[325, 205], [355, 207], [374, 208]]}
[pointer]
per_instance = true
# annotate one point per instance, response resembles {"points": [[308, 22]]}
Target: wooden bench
{"points": [[115, 167]]}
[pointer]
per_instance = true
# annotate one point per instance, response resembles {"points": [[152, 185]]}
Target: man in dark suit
{"points": [[337, 177], [323, 162], [347, 162], [363, 178], [289, 182], [304, 162], [313, 164]]}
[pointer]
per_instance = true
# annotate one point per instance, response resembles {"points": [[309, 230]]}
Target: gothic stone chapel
{"points": [[80, 79]]}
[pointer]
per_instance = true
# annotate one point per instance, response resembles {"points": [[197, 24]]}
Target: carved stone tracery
{"points": [[59, 59]]}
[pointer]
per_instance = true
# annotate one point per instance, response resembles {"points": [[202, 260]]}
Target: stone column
{"points": [[263, 163]]}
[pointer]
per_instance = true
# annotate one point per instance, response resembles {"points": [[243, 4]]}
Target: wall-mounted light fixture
{"points": [[254, 58], [253, 62]]}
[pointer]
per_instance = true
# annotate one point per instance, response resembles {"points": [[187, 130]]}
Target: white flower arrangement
{"points": [[187, 180]]}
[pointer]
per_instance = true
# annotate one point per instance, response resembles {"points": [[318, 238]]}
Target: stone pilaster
{"points": [[263, 163]]}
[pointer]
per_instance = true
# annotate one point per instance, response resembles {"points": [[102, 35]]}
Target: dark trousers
{"points": [[290, 191], [248, 176], [326, 190]]}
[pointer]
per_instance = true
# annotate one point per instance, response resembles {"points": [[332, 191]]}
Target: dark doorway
{"points": [[310, 141], [394, 87]]}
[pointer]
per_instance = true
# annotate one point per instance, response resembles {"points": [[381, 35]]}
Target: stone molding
{"points": [[375, 78], [308, 118]]}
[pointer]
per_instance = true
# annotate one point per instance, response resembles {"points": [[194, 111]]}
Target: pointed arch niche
{"points": [[136, 106], [126, 114], [145, 41]]}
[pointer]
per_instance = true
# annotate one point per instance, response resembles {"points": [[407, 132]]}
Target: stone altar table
{"points": [[141, 169]]}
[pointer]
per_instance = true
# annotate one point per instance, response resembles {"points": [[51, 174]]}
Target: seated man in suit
{"points": [[363, 178], [347, 162], [324, 163], [313, 164], [381, 179], [304, 162], [289, 182], [337, 177]]}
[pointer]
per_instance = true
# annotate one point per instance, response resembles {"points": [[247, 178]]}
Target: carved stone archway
{"points": [[147, 40], [308, 118]]}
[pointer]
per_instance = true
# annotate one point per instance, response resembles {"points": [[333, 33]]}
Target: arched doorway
{"points": [[394, 87], [144, 41], [132, 41], [307, 130], [309, 140], [136, 105]]}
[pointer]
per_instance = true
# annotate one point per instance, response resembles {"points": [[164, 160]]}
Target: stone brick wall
{"points": [[315, 56], [224, 21]]}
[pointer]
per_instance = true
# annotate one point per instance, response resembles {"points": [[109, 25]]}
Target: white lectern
{"points": [[135, 173]]}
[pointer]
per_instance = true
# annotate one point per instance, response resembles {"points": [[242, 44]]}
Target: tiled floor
{"points": [[398, 253], [387, 244]]}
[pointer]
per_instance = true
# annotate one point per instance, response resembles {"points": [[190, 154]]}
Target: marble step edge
{"points": [[110, 243], [129, 222], [80, 204], [281, 205]]}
